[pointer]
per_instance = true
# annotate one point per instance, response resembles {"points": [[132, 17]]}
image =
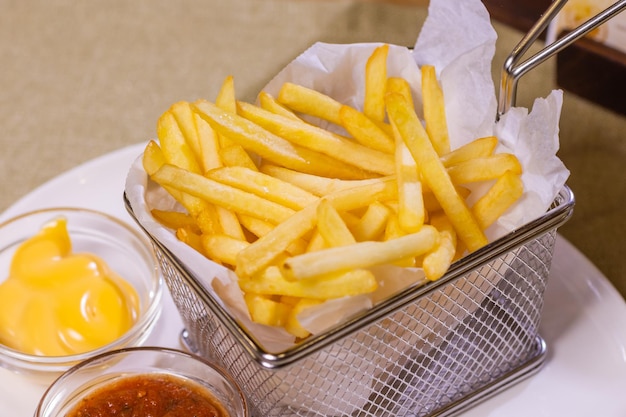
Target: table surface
{"points": [[80, 79]]}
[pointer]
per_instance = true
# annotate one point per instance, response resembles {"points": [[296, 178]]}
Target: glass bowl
{"points": [[126, 251], [103, 370]]}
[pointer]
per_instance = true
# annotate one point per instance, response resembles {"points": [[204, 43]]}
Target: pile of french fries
{"points": [[302, 213]]}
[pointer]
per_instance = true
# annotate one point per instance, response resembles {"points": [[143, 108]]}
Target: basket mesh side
{"points": [[422, 358]]}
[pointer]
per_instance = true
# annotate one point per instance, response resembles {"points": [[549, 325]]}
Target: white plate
{"points": [[584, 319]]}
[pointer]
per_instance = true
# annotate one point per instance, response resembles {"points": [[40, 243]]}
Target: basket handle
{"points": [[513, 69]]}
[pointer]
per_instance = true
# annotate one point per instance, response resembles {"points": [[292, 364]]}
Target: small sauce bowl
{"points": [[100, 373], [124, 249]]}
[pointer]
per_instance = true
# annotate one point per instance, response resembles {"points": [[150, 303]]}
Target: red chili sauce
{"points": [[150, 396]]}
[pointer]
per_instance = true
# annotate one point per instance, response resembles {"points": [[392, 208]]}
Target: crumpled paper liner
{"points": [[458, 39]]}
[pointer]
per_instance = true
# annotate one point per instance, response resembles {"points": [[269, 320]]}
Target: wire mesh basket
{"points": [[428, 351], [432, 350]]}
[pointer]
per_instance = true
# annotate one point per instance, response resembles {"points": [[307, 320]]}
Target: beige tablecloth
{"points": [[82, 78]]}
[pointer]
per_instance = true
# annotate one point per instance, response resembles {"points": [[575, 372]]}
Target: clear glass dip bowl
{"points": [[93, 374], [124, 249]]}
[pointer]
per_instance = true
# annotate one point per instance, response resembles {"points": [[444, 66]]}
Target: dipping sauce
{"points": [[153, 395], [56, 302]]}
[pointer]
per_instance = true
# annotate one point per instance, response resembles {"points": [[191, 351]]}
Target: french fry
{"points": [[269, 103], [173, 144], [229, 222], [409, 127], [331, 226], [411, 212], [259, 255], [175, 219], [222, 248], [153, 159], [184, 117], [264, 310], [272, 147], [315, 184], [438, 261], [310, 102], [320, 140], [375, 84], [293, 325], [220, 194], [188, 235], [226, 98], [434, 111], [497, 200], [236, 156], [208, 143], [260, 228], [364, 130], [484, 168], [335, 285], [263, 185], [477, 148], [226, 101], [401, 86], [360, 255], [372, 223]]}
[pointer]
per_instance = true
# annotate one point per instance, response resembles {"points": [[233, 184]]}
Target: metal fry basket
{"points": [[432, 350]]}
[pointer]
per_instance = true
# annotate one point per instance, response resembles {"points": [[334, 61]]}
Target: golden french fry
{"points": [[438, 261], [316, 242], [263, 185], [293, 325], [308, 101], [226, 99], [364, 130], [262, 252], [188, 235], [264, 310], [184, 116], [222, 248], [372, 223], [401, 86], [175, 219], [484, 168], [153, 159], [269, 103], [477, 148], [220, 194], [411, 212], [497, 200], [208, 221], [315, 184], [331, 226], [235, 155], [260, 228], [209, 145], [320, 140], [272, 147], [360, 255], [433, 172], [175, 148], [434, 111], [230, 223], [376, 84], [334, 285]]}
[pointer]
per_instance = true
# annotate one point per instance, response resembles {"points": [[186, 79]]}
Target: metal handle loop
{"points": [[513, 70]]}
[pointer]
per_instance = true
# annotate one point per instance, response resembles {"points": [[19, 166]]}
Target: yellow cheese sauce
{"points": [[56, 302]]}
